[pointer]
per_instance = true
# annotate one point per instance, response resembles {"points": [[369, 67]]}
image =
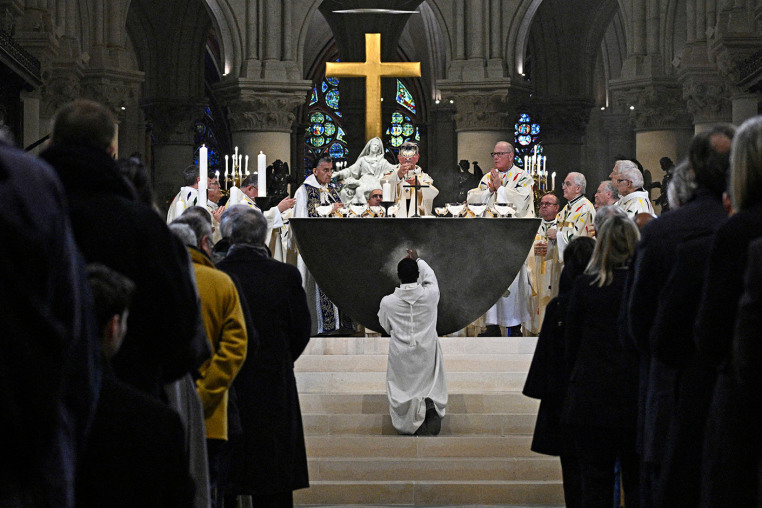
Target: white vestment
{"points": [[634, 203], [273, 216], [544, 273], [513, 308], [186, 198], [415, 370], [405, 196], [574, 220]]}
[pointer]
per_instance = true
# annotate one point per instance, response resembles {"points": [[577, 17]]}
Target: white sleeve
{"points": [[274, 219], [300, 207], [426, 276]]}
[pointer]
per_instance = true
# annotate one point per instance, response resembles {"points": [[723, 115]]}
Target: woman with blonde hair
{"points": [[601, 402]]}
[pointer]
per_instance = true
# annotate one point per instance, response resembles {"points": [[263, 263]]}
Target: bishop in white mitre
{"points": [[506, 183]]}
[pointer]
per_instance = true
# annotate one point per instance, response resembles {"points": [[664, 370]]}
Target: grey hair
{"points": [[683, 185], [628, 170], [513, 149], [604, 213], [198, 225], [252, 179], [249, 227], [184, 232], [614, 247], [227, 216], [611, 188], [579, 179], [746, 164]]}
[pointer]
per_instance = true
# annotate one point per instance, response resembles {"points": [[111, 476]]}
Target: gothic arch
{"points": [[228, 34], [518, 39]]}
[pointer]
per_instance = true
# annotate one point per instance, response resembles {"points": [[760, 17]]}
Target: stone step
{"points": [[537, 468], [378, 404], [452, 424], [394, 446], [375, 382], [450, 345], [432, 493], [511, 362]]}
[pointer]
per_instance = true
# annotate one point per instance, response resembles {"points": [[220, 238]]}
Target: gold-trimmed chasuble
{"points": [[373, 69]]}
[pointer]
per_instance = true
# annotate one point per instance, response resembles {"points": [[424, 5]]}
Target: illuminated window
{"points": [[525, 137]]}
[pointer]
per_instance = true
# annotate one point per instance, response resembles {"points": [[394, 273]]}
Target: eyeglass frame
{"points": [[493, 154]]}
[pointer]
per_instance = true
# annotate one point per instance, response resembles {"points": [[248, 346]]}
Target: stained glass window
{"points": [[324, 135], [204, 134], [526, 137], [402, 128], [404, 98]]}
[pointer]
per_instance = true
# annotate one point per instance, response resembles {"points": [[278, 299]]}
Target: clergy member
{"points": [[576, 218], [188, 195], [543, 269], [315, 192], [415, 378], [629, 183], [506, 183], [607, 194], [404, 177]]}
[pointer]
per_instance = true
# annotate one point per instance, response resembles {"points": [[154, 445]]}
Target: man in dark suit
{"points": [[654, 258], [270, 461]]}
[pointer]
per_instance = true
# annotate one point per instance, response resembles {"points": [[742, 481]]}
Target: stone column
{"points": [[171, 123], [706, 94], [261, 117], [744, 106]]}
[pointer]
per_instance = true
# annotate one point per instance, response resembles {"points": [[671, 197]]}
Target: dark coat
{"points": [[49, 354], [603, 384], [653, 262], [112, 228], [271, 457], [729, 466], [135, 454], [547, 380]]}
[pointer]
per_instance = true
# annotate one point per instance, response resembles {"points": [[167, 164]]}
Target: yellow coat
{"points": [[226, 329]]}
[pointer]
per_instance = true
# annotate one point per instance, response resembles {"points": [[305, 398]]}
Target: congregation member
{"points": [[135, 453], [628, 180], [111, 227], [507, 183], [576, 217], [415, 377], [730, 457], [226, 331], [270, 462], [315, 192], [543, 268], [408, 199], [607, 194], [601, 400], [49, 353], [548, 375], [700, 215]]}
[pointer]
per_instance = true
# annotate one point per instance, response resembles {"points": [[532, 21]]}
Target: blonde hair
{"points": [[746, 164], [614, 247]]}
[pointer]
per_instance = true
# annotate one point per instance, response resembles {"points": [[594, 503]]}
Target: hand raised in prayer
{"points": [[218, 213], [412, 254], [494, 180], [286, 203], [541, 249]]}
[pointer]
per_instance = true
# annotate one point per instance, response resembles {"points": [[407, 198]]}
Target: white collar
{"points": [[312, 182]]}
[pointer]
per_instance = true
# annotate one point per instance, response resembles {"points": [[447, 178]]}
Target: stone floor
{"points": [[481, 457]]}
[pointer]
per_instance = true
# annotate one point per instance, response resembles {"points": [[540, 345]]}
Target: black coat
{"points": [[135, 454], [603, 385], [729, 466], [653, 262], [547, 380], [271, 457], [112, 228]]}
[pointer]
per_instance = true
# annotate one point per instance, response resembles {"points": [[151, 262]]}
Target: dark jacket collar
{"points": [[86, 171]]}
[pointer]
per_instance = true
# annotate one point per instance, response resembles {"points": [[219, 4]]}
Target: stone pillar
{"points": [[563, 123], [706, 94], [171, 123], [31, 120], [744, 106]]}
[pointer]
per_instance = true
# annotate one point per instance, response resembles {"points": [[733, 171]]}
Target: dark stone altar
{"points": [[354, 261]]}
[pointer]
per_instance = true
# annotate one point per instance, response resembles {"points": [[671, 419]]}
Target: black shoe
{"points": [[491, 331], [423, 430], [433, 421], [514, 331]]}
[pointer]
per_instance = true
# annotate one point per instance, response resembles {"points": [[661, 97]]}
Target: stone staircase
{"points": [[481, 457]]}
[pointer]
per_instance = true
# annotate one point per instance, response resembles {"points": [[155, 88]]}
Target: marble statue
{"points": [[365, 174]]}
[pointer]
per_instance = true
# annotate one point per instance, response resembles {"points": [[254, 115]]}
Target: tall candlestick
{"points": [[261, 178], [203, 174], [246, 160], [240, 167], [226, 172], [554, 180]]}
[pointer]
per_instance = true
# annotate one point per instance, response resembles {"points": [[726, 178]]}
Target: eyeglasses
{"points": [[376, 196], [567, 184], [547, 203], [496, 154], [618, 180]]}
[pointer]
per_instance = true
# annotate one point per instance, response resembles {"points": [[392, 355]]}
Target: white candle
{"points": [[246, 159], [240, 166], [203, 174], [226, 172], [386, 189], [261, 168], [526, 163], [554, 181]]}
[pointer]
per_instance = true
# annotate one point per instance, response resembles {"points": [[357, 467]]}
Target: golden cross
{"points": [[372, 69]]}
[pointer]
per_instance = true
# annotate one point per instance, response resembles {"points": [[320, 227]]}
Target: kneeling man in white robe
{"points": [[415, 378]]}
